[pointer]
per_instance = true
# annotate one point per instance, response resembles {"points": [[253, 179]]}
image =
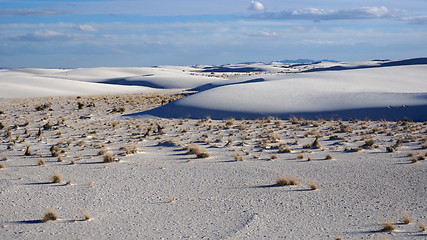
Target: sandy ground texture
{"points": [[155, 178]]}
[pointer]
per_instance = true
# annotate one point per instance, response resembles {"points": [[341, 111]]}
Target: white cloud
{"points": [[87, 28], [48, 35], [256, 6], [29, 12], [322, 14], [261, 33], [415, 20]]}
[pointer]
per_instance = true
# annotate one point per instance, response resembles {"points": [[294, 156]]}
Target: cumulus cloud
{"points": [[322, 14], [86, 28], [29, 12], [256, 6]]}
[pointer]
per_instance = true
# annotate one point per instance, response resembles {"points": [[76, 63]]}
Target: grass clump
{"points": [[108, 158], [328, 157], [388, 227], [50, 215], [198, 151], [1, 166], [56, 178], [406, 219], [286, 181], [313, 186]]}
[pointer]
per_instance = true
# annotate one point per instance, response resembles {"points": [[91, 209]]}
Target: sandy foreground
{"points": [[181, 178]]}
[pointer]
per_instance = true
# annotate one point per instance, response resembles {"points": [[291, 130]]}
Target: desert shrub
{"points": [[127, 150], [198, 151], [56, 178], [313, 186], [369, 144], [50, 215], [283, 148], [388, 227], [1, 165], [41, 162], [108, 158], [300, 156], [328, 156], [47, 126], [43, 106], [1, 125], [406, 219], [286, 181], [27, 150], [54, 150]]}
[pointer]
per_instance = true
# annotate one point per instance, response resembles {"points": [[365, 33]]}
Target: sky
{"points": [[117, 33]]}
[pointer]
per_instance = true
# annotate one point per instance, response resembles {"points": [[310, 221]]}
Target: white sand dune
{"points": [[134, 178], [377, 93]]}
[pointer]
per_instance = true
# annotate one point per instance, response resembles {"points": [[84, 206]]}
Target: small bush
{"points": [[108, 158], [56, 178], [422, 226], [41, 162], [406, 220], [50, 215], [1, 166], [300, 156], [313, 186], [328, 156], [27, 151], [286, 181], [388, 227]]}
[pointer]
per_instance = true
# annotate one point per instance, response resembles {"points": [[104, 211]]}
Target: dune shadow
{"points": [[126, 82], [209, 86], [28, 222], [408, 62], [40, 183]]}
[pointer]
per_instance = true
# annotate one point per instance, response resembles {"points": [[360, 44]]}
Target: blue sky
{"points": [[75, 33]]}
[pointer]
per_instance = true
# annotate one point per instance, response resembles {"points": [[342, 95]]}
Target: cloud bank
{"points": [[322, 14]]}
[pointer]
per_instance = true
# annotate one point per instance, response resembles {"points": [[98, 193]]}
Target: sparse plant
{"points": [[406, 219], [108, 158], [313, 186], [414, 159], [328, 156], [1, 165], [73, 162], [286, 181], [56, 178], [86, 216], [273, 156], [388, 227], [300, 156], [50, 215], [27, 150], [422, 226], [41, 162]]}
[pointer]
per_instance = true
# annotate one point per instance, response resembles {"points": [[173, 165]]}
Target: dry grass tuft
{"points": [[50, 215], [41, 162], [56, 178], [1, 165], [286, 181], [388, 227], [313, 186], [422, 226], [328, 156], [406, 219], [86, 216], [108, 158], [198, 151], [300, 156]]}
